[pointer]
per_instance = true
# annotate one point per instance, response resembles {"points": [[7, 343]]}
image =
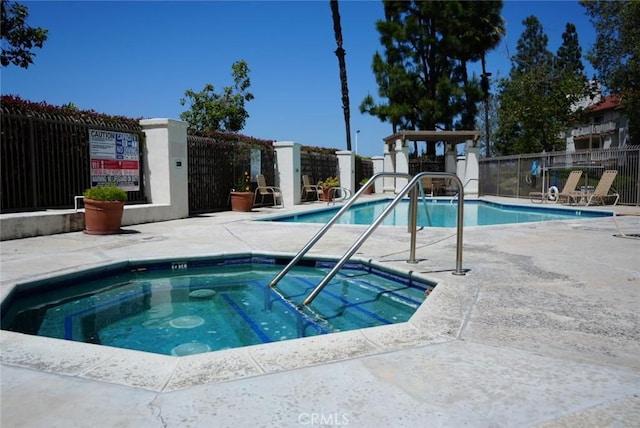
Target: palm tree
{"points": [[340, 53]]}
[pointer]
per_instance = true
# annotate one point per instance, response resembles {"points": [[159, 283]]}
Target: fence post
{"points": [[389, 166], [288, 171], [378, 166], [402, 163], [347, 170], [166, 168], [471, 170]]}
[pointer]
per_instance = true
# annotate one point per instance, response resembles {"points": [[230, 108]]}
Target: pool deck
{"points": [[542, 331]]}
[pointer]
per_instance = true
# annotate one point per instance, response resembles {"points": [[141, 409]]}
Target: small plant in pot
{"points": [[326, 185], [363, 182], [103, 208], [241, 195]]}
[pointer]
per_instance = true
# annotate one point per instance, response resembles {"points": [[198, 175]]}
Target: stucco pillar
{"points": [[166, 172], [288, 171], [378, 166], [472, 171], [450, 158], [402, 163], [347, 170], [460, 169], [388, 183]]}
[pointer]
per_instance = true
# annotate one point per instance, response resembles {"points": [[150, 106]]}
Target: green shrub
{"points": [[329, 183], [106, 192]]}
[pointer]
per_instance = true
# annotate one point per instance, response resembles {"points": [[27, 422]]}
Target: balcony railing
{"points": [[595, 129]]}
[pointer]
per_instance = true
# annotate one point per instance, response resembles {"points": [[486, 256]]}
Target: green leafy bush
{"points": [[329, 183], [106, 192]]}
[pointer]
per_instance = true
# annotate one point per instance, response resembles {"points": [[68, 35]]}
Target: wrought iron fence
{"points": [[511, 176], [318, 166], [45, 160], [216, 165]]}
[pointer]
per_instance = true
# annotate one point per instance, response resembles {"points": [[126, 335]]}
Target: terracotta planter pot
{"points": [[325, 195], [102, 217], [241, 201]]}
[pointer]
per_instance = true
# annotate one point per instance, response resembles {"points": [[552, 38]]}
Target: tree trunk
{"points": [[340, 53]]}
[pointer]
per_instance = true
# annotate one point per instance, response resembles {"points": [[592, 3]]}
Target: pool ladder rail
{"points": [[411, 189]]}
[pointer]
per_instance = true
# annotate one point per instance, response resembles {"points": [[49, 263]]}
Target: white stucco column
{"points": [[460, 169], [402, 163], [472, 171], [166, 164], [347, 170], [450, 158], [288, 171], [388, 185], [378, 166]]}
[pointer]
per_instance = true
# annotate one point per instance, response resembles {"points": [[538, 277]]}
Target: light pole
{"points": [[357, 132]]}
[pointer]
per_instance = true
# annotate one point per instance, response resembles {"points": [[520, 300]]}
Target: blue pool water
{"points": [[195, 306], [442, 213]]}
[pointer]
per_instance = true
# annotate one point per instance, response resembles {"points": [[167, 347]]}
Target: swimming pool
{"points": [[190, 306], [442, 213]]}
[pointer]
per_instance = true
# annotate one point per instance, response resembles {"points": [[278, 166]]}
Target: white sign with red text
{"points": [[115, 157]]}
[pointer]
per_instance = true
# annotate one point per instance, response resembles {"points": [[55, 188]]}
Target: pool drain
{"points": [[189, 321], [190, 349]]}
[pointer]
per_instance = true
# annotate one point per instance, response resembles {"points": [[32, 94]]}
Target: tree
{"points": [[225, 111], [615, 54], [422, 74], [536, 99], [340, 53], [18, 39], [488, 120]]}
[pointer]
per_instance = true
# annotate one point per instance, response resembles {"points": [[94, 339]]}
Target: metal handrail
{"points": [[330, 223], [411, 185]]}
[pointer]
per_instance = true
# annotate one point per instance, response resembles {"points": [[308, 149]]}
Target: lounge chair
{"points": [[553, 195], [310, 189], [263, 190], [600, 194], [432, 186]]}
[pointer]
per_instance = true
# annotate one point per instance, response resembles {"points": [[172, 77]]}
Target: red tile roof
{"points": [[608, 103]]}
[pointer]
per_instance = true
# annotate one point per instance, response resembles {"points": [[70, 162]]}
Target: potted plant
{"points": [[363, 182], [241, 195], [103, 208], [326, 185]]}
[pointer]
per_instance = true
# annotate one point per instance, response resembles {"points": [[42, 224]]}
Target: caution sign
{"points": [[115, 158]]}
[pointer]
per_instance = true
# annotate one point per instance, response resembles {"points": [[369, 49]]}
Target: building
{"points": [[606, 126]]}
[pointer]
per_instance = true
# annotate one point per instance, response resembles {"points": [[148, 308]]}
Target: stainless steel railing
{"points": [[410, 188]]}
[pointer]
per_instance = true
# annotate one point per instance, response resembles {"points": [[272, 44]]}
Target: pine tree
{"points": [[422, 72], [536, 99], [616, 53]]}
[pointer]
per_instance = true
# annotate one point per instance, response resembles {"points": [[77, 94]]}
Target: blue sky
{"points": [[136, 59]]}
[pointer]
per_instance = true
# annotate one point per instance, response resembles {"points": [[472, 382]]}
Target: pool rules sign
{"points": [[115, 157]]}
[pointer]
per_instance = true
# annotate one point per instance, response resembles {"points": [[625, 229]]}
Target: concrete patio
{"points": [[543, 331]]}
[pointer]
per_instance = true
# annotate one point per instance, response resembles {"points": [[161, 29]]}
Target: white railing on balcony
{"points": [[595, 129]]}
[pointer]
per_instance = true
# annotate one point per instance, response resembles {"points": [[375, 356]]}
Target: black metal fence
{"points": [[511, 176], [44, 159], [217, 164], [320, 165]]}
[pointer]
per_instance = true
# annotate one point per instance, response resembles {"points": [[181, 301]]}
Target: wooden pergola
{"points": [[447, 137]]}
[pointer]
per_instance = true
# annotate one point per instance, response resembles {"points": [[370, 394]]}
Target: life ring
{"points": [[553, 193], [528, 179]]}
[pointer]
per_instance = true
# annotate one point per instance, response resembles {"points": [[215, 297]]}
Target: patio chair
{"points": [[432, 186], [553, 195], [600, 194], [310, 189], [264, 190]]}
